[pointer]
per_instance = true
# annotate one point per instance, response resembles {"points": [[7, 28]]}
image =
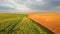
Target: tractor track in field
{"points": [[8, 29], [26, 26]]}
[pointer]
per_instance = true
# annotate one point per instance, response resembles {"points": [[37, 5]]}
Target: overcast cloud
{"points": [[23, 5]]}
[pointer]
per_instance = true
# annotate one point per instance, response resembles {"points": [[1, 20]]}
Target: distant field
{"points": [[50, 21], [20, 24]]}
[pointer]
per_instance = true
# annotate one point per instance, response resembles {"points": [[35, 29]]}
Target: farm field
{"points": [[20, 24], [50, 21]]}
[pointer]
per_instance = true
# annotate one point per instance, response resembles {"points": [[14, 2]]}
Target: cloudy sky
{"points": [[28, 6]]}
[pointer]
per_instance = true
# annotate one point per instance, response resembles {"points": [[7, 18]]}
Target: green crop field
{"points": [[20, 24]]}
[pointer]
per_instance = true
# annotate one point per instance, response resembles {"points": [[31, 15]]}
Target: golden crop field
{"points": [[50, 21], [20, 24]]}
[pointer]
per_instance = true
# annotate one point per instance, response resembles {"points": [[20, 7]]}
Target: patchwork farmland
{"points": [[20, 24]]}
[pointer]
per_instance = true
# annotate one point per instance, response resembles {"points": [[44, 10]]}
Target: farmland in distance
{"points": [[20, 24]]}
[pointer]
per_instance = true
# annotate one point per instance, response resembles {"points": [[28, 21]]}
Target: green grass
{"points": [[20, 24]]}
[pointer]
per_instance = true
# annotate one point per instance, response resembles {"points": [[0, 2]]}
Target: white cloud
{"points": [[14, 5], [24, 6], [58, 7], [39, 0]]}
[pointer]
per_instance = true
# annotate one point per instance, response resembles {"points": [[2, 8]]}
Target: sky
{"points": [[29, 6]]}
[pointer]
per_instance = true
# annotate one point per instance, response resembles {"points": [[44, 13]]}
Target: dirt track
{"points": [[50, 21]]}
